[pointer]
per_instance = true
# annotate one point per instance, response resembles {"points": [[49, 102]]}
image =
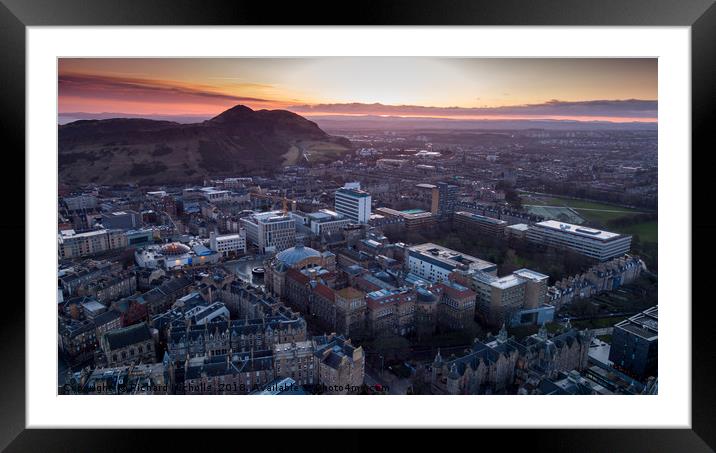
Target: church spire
{"points": [[542, 333], [502, 335]]}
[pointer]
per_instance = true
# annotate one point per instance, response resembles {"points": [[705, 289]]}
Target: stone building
{"points": [[225, 337], [299, 257], [129, 345], [457, 305], [341, 366], [501, 364]]}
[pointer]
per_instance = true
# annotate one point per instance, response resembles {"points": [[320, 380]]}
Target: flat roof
{"points": [[481, 217], [450, 257], [519, 227], [508, 281], [578, 230], [530, 274]]}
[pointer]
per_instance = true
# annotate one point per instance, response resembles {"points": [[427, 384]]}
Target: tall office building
{"points": [[600, 245], [353, 204]]}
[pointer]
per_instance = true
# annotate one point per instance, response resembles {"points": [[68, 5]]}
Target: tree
{"points": [[392, 347]]}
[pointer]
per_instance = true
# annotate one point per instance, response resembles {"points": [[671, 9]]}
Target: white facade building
{"points": [[353, 204], [597, 244], [271, 231], [229, 243], [435, 263]]}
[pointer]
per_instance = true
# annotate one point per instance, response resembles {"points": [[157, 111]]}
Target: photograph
{"points": [[357, 225]]}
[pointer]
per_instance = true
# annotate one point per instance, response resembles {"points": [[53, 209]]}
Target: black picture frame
{"points": [[700, 15]]}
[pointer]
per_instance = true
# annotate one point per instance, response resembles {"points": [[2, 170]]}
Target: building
{"points": [[219, 337], [435, 263], [213, 195], [296, 361], [225, 374], [129, 345], [515, 299], [230, 244], [75, 245], [518, 230], [444, 199], [140, 238], [173, 255], [411, 219], [80, 202], [77, 339], [142, 379], [271, 231], [341, 366], [479, 224], [456, 309], [501, 365], [597, 244], [324, 222], [121, 220], [634, 349], [354, 204], [351, 311], [391, 311], [606, 276]]}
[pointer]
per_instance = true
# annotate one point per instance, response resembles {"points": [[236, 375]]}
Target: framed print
{"points": [[411, 217]]}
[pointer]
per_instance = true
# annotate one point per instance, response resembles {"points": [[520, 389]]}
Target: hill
{"points": [[235, 142]]}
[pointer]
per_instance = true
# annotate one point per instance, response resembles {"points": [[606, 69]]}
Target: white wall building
{"points": [[271, 231], [597, 244], [435, 263], [228, 243], [353, 204]]}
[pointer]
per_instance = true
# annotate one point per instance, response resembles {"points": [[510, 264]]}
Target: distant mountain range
{"points": [[376, 122], [372, 122], [149, 151]]}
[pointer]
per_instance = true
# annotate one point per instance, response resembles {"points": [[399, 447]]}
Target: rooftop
{"points": [[481, 218], [450, 257], [579, 230]]}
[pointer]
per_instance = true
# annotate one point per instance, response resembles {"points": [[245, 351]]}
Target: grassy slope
{"points": [[602, 213]]}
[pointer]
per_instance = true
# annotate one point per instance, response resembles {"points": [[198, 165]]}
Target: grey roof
{"points": [[106, 317], [296, 254], [121, 338]]}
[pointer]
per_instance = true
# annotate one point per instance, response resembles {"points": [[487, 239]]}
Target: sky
{"points": [[618, 90]]}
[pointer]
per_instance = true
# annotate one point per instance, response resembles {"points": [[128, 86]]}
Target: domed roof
{"points": [[297, 254], [174, 248]]}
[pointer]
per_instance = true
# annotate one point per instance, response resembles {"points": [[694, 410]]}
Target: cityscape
{"points": [[357, 226]]}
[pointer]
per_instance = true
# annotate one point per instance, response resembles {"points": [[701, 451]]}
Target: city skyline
{"points": [[615, 90]]}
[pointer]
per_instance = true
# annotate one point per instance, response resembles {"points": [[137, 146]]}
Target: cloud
{"points": [[146, 90], [629, 108]]}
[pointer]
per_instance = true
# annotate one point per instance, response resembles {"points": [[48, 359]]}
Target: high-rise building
{"points": [[444, 199], [271, 231], [353, 204], [597, 244]]}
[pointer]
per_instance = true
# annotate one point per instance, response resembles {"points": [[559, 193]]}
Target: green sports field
{"points": [[595, 212]]}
